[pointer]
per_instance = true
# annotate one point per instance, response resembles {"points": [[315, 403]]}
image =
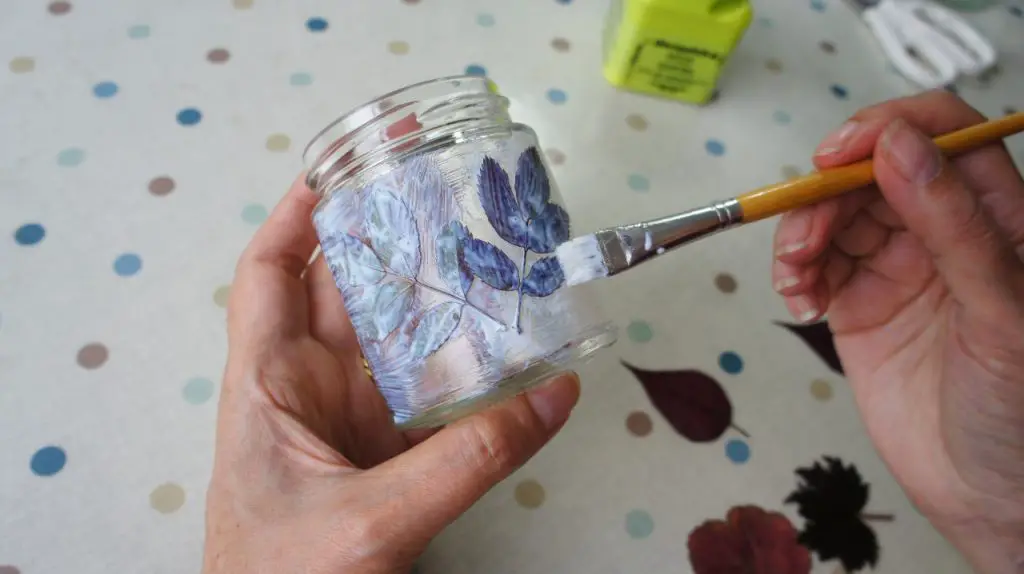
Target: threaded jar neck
{"points": [[411, 120]]}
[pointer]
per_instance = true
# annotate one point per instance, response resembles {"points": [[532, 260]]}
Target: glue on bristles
{"points": [[582, 260]]}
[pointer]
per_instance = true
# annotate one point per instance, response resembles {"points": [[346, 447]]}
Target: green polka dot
{"points": [[639, 524], [254, 213], [639, 331], [197, 391]]}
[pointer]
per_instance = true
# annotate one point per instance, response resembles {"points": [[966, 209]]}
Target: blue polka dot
{"points": [[138, 31], [730, 362], [476, 70], [254, 213], [48, 461], [818, 5], [70, 157], [557, 96], [781, 117], [564, 2], [316, 24], [485, 20], [127, 265], [714, 147], [189, 116], [29, 234], [639, 524], [839, 91], [737, 451], [1017, 11], [197, 391], [300, 79], [105, 89], [638, 182]]}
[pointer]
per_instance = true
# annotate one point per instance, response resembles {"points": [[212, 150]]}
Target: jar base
{"points": [[529, 377]]}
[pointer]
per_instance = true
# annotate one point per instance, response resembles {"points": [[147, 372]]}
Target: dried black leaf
{"points": [[819, 338], [831, 498]]}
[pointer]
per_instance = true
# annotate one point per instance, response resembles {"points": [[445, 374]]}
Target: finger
{"points": [[970, 252], [791, 280], [268, 296], [805, 233], [442, 477], [287, 238], [863, 236]]}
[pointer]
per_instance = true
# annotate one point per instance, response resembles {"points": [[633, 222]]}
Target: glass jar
{"points": [[439, 219]]}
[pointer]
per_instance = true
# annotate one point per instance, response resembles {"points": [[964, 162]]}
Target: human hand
{"points": [[922, 280], [310, 475]]}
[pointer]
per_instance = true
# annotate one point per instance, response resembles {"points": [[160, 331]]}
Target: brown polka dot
{"points": [[241, 4], [398, 47], [556, 157], [821, 390], [637, 122], [639, 423], [218, 55], [59, 8], [827, 47], [529, 494], [725, 283], [22, 65], [790, 172], [278, 142], [220, 295], [560, 44], [167, 498], [92, 356], [1009, 110], [161, 186], [773, 65]]}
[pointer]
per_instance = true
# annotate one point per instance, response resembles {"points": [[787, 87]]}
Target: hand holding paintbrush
{"points": [[611, 251]]}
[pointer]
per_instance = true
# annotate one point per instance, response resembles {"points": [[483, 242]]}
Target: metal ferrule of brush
{"points": [[627, 246]]}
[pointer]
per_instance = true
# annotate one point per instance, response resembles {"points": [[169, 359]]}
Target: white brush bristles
{"points": [[582, 260]]}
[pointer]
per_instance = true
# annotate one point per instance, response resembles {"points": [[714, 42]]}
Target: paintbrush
{"points": [[614, 250]]}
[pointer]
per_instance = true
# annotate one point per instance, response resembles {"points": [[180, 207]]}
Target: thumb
{"points": [[970, 252], [442, 477]]}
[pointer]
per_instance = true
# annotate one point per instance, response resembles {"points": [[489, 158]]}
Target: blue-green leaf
{"points": [[490, 264], [544, 277], [390, 306], [391, 228], [533, 190], [501, 208], [351, 261], [432, 329], [549, 229], [451, 260]]}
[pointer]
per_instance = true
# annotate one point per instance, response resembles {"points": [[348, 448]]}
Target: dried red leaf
{"points": [[819, 338], [749, 541], [692, 402]]}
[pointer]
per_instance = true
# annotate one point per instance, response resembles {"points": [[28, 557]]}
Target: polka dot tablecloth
{"points": [[143, 142]]}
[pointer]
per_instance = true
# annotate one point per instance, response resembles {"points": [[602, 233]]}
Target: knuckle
{"points": [[489, 448]]}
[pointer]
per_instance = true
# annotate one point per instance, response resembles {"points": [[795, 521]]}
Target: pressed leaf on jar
{"points": [[432, 328], [549, 229], [500, 205], [533, 189], [544, 278], [351, 261], [451, 258], [391, 229], [391, 306], [490, 264]]}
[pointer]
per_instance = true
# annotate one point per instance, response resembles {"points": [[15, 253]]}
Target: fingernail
{"points": [[554, 400], [806, 310], [837, 140], [796, 228], [913, 155], [785, 283]]}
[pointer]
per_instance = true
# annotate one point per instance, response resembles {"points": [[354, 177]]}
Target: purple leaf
{"points": [[549, 229], [451, 259], [819, 338], [433, 328], [532, 186], [500, 206], [392, 231], [351, 261], [544, 277], [390, 306], [490, 264], [693, 403]]}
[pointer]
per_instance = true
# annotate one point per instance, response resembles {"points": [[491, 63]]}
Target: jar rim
{"points": [[370, 110]]}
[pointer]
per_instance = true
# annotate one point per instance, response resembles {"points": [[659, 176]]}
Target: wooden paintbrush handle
{"points": [[820, 185]]}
